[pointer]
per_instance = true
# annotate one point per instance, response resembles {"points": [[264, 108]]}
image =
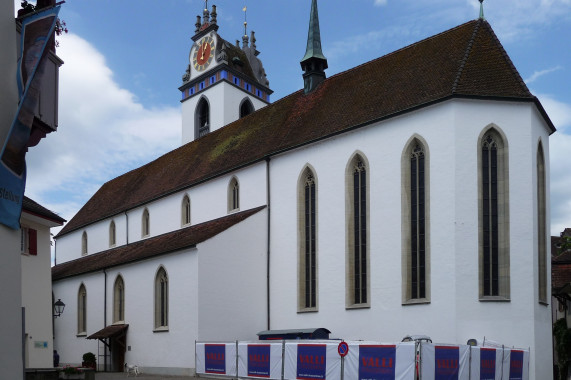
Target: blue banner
{"points": [[446, 364], [516, 365], [215, 358], [259, 360], [377, 362], [487, 364], [311, 361], [37, 29]]}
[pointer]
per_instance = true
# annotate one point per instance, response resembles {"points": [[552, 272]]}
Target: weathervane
{"points": [[482, 10], [205, 5], [245, 19]]}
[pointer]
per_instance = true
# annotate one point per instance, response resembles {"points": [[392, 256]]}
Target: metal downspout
{"points": [[104, 316], [268, 241]]}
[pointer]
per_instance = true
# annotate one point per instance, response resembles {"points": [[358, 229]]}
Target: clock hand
{"points": [[203, 48]]}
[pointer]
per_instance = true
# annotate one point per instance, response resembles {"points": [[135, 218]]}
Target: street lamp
{"points": [[58, 308]]}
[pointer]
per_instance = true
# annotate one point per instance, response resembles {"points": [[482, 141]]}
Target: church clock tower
{"points": [[223, 81]]}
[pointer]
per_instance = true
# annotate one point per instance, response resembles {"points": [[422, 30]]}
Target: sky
{"points": [[119, 105]]}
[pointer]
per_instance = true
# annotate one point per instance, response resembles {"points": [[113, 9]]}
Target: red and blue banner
{"points": [[215, 358], [446, 363], [37, 29], [259, 360], [311, 361], [377, 362], [487, 364], [516, 365]]}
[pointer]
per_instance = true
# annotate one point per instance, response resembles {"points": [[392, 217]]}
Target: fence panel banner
{"points": [[516, 364], [216, 358], [380, 361], [444, 362], [311, 361], [486, 363], [260, 360]]}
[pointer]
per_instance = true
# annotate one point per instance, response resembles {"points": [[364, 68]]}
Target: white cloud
{"points": [[538, 74], [103, 132], [380, 3]]}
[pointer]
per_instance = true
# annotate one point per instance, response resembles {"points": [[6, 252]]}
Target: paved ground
{"points": [[122, 376]]}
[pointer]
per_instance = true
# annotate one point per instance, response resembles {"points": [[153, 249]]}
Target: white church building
{"points": [[408, 195]]}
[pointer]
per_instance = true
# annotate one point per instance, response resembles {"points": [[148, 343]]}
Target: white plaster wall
{"points": [[154, 350], [208, 200], [455, 314], [10, 268], [224, 99], [232, 282], [37, 299], [69, 345]]}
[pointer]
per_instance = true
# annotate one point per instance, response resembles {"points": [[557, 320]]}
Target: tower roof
{"points": [[313, 49], [467, 61]]}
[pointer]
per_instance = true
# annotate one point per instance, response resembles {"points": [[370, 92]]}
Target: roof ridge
{"points": [[401, 49], [466, 54]]}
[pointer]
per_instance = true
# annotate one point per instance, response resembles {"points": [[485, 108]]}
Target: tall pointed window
{"points": [[416, 258], [119, 300], [246, 108], [202, 118], [112, 234], [541, 225], [494, 216], [307, 219], [84, 243], [358, 234], [145, 224], [161, 300], [82, 310], [185, 211], [233, 195]]}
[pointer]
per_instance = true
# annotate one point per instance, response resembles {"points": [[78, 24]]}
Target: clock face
{"points": [[203, 55]]}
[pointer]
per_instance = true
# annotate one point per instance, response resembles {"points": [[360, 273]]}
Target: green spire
{"points": [[313, 36], [482, 10]]}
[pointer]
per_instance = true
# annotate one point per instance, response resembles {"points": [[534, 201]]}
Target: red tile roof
{"points": [[466, 61], [34, 208], [148, 248]]}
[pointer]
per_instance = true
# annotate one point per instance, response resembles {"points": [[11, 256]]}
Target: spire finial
{"points": [[481, 10]]}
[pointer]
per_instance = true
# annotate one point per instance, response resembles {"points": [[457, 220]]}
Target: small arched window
{"points": [[112, 234], [202, 118], [246, 107], [119, 300], [84, 243], [233, 195], [82, 310], [146, 224], [161, 299], [541, 225], [185, 211]]}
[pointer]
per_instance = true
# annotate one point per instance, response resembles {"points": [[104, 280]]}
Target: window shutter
{"points": [[33, 242]]}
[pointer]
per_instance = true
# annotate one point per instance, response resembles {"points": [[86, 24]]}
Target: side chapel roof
{"points": [[151, 247], [465, 61]]}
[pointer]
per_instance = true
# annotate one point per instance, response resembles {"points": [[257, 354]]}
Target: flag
{"points": [[37, 29]]}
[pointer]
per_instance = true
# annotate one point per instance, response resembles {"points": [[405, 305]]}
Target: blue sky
{"points": [[124, 59]]}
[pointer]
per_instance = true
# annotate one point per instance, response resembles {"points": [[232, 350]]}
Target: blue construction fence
{"points": [[359, 360]]}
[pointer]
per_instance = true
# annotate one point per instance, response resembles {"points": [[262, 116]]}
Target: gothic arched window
{"points": [[358, 233], [119, 300], [494, 216], [185, 211], [307, 217], [161, 299]]}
